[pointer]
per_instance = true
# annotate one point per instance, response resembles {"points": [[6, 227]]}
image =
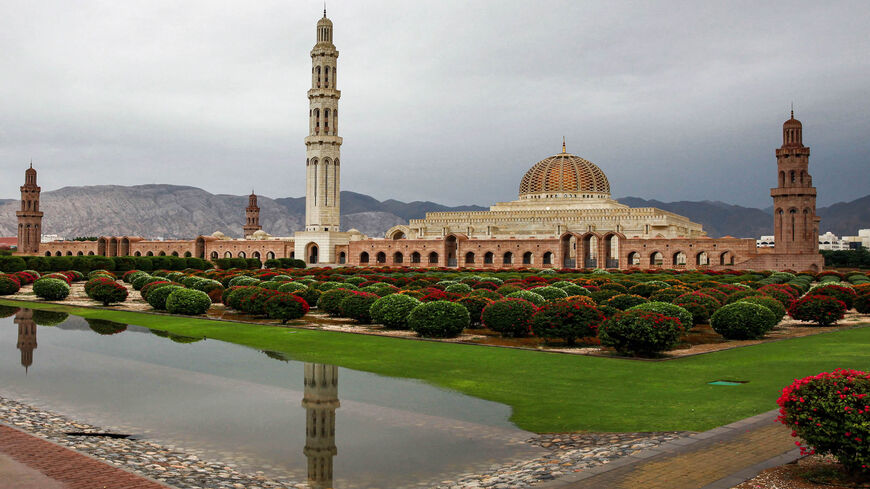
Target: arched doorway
{"points": [[507, 258], [634, 259], [342, 257], [726, 258], [589, 254], [547, 258], [610, 244], [568, 246], [381, 257], [656, 259], [311, 251], [703, 260], [415, 257], [450, 250], [433, 258], [487, 258], [214, 255], [679, 259], [242, 254], [527, 258], [199, 247], [398, 257]]}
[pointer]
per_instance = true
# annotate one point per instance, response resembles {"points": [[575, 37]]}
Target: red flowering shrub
{"points": [[624, 301], [715, 293], [330, 301], [645, 289], [862, 303], [512, 317], [108, 293], [9, 285], [92, 283], [829, 411], [669, 294], [475, 305], [254, 302], [640, 333], [823, 310], [567, 319], [780, 293], [845, 294], [702, 306], [285, 307], [26, 277]]}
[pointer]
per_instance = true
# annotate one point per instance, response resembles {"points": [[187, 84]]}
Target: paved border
{"points": [[75, 470], [680, 445]]}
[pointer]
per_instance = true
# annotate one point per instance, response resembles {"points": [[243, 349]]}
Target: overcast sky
{"points": [[449, 101]]}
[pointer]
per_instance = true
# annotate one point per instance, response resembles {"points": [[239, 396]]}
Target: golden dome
{"points": [[565, 175]]}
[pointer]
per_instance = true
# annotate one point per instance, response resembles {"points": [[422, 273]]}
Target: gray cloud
{"points": [[447, 101]]}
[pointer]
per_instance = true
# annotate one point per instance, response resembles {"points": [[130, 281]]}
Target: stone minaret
{"points": [[29, 217], [252, 216], [795, 224], [320, 402], [323, 144], [26, 336]]}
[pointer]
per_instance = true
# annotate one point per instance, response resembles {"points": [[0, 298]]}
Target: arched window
{"points": [[507, 258], [702, 260], [317, 75], [469, 258], [433, 257], [326, 122], [656, 259], [58, 254], [634, 258], [139, 253], [548, 258], [679, 259], [242, 254], [527, 258], [381, 257], [256, 255], [79, 254], [47, 253], [162, 253], [364, 257], [326, 77], [397, 257], [188, 254], [782, 179], [316, 123], [791, 176], [228, 254], [415, 257], [150, 253], [342, 257], [487, 258], [174, 253]]}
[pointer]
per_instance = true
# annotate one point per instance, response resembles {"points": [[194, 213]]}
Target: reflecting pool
{"points": [[332, 426]]}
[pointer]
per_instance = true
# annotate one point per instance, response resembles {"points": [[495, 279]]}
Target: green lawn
{"points": [[552, 392]]}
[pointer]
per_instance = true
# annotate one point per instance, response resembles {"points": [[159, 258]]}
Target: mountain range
{"points": [[180, 212]]}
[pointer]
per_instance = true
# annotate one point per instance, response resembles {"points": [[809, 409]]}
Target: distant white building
{"points": [[828, 241], [50, 238]]}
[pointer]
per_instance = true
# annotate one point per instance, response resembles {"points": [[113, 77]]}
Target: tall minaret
{"points": [[252, 216], [795, 224], [26, 336], [320, 402], [29, 217], [323, 144]]}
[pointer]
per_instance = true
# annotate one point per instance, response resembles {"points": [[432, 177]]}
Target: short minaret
{"points": [[320, 402], [252, 216], [795, 224], [29, 217], [26, 336], [322, 146]]}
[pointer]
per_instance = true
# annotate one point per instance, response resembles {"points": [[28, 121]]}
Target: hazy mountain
{"points": [[173, 211]]}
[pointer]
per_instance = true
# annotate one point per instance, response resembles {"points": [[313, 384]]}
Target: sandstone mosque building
{"points": [[564, 216]]}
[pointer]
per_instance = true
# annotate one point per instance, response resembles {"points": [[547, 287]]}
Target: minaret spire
{"points": [[564, 149]]}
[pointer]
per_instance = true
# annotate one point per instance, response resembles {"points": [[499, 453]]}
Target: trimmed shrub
{"points": [[774, 305], [356, 306], [51, 289], [392, 310], [600, 296], [140, 280], [286, 307], [109, 293], [862, 303], [489, 294], [508, 289], [845, 294], [640, 333], [567, 319], [624, 301], [153, 285], [823, 310], [330, 301], [511, 316], [439, 319], [157, 297], [290, 287], [475, 305], [527, 295], [743, 321], [575, 290], [743, 294], [702, 306], [458, 289], [9, 285], [255, 302], [550, 293], [667, 309], [188, 302], [235, 296], [829, 412], [779, 293], [310, 295], [646, 289]]}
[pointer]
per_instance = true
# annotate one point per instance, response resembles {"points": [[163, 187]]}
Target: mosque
{"points": [[564, 216]]}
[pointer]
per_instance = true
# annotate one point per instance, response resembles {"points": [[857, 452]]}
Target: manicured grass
{"points": [[552, 392]]}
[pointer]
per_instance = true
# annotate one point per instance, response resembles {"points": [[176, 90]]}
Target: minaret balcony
{"points": [[324, 93], [789, 191], [322, 139]]}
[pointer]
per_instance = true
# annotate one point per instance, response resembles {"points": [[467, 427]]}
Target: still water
{"points": [[332, 426]]}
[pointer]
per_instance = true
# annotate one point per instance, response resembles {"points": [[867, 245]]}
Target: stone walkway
{"points": [[717, 459], [27, 461]]}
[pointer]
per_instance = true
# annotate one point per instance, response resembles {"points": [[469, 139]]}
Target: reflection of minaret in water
{"points": [[26, 336], [320, 402]]}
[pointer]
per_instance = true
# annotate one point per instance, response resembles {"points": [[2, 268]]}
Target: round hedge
{"points": [[188, 302], [458, 289], [527, 295], [157, 297], [667, 309], [489, 294], [141, 280], [310, 295], [567, 319], [862, 303], [290, 287], [511, 316], [640, 333], [330, 301], [743, 294], [774, 305], [843, 293], [392, 310], [624, 301], [743, 321], [356, 306], [51, 289], [702, 306], [475, 305], [109, 293], [438, 319], [823, 310], [574, 290], [8, 285], [550, 293], [286, 307]]}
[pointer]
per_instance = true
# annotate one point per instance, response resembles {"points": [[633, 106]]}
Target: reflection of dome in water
{"points": [[564, 174]]}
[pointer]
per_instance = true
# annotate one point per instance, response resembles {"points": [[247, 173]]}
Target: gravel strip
{"points": [[568, 452]]}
